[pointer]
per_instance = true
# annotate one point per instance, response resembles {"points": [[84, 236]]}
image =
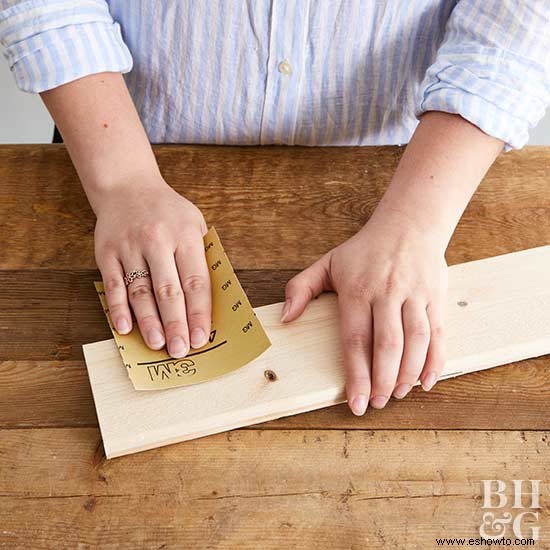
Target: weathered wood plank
{"points": [[38, 394], [301, 522], [50, 314], [45, 221], [35, 463], [222, 492], [251, 488], [514, 397]]}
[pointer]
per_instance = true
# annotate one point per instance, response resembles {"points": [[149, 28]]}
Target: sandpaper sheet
{"points": [[236, 338]]}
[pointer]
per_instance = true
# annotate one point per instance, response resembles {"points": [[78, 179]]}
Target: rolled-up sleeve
{"points": [[493, 67], [51, 42]]}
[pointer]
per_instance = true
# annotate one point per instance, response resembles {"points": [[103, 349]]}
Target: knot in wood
{"points": [[270, 375]]}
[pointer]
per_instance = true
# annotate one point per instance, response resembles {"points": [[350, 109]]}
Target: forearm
{"points": [[439, 171], [102, 131]]}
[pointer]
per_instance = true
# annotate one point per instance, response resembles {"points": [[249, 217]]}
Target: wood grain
{"points": [[49, 314], [497, 311], [324, 479], [38, 394], [195, 494], [274, 207], [34, 462]]}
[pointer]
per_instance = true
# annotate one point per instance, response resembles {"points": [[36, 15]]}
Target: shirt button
{"points": [[285, 67]]}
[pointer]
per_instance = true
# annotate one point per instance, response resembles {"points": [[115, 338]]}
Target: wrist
{"points": [[411, 225], [437, 175], [142, 180]]}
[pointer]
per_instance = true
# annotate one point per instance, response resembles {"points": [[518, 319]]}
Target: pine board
{"points": [[506, 319]]}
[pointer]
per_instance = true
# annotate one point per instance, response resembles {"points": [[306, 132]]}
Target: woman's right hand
{"points": [[145, 224], [142, 223]]}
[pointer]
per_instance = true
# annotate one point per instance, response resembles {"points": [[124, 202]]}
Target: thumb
{"points": [[305, 286]]}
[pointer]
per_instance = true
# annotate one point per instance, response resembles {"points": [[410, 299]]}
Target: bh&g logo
{"points": [[494, 525]]}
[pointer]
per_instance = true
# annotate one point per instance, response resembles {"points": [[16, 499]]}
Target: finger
{"points": [[356, 338], [142, 300], [170, 300], [387, 349], [435, 359], [305, 286], [195, 281], [116, 294], [416, 329]]}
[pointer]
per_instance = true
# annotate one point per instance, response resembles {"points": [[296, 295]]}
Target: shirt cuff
{"points": [[51, 42], [488, 96]]}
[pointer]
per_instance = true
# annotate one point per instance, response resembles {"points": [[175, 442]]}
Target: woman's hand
{"points": [[145, 224], [391, 284], [142, 223], [391, 277]]}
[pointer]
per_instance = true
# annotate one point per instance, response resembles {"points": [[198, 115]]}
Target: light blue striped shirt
{"points": [[304, 72]]}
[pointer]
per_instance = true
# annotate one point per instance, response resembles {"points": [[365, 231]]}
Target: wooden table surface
{"points": [[399, 477]]}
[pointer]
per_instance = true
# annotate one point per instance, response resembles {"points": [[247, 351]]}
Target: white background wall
{"points": [[24, 119]]}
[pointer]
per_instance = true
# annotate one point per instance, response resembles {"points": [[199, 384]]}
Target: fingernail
{"points": [[378, 401], [155, 337], [178, 347], [402, 390], [429, 381], [198, 337], [286, 309], [122, 326], [359, 404]]}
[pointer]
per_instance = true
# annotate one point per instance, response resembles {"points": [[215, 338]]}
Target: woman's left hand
{"points": [[391, 282]]}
